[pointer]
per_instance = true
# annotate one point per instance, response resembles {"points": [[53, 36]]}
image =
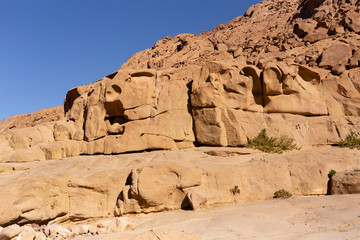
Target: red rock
{"points": [[352, 21], [336, 57]]}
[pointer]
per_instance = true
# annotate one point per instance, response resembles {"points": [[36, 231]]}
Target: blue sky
{"points": [[48, 47]]}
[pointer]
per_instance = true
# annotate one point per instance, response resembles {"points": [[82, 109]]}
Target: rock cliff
{"points": [[292, 67]]}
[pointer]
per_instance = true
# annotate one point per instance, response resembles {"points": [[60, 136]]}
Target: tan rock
{"points": [[61, 149], [10, 232], [117, 225], [157, 181], [173, 179], [67, 131], [83, 229], [336, 57], [150, 121], [55, 230], [27, 155], [336, 29], [315, 37], [352, 21], [209, 128], [188, 89], [345, 183], [218, 88], [27, 233], [40, 236], [304, 27], [28, 137], [32, 119]]}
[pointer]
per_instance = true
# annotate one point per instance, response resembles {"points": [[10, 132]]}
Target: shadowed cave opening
{"points": [[112, 75], [186, 204], [117, 119], [257, 90], [70, 98]]}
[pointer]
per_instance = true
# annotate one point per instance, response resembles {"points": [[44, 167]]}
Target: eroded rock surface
{"points": [[93, 187], [289, 66], [218, 104], [32, 119], [345, 183]]}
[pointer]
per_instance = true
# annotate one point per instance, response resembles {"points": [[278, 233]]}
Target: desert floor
{"points": [[317, 217]]}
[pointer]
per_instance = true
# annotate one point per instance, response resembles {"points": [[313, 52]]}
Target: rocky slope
{"points": [[291, 67], [32, 119]]}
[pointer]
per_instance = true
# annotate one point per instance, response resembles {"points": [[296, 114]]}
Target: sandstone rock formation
{"points": [[93, 187], [291, 67], [345, 183], [298, 74], [32, 119]]}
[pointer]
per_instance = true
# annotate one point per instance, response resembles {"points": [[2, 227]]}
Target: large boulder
{"points": [[336, 57], [345, 183], [352, 21]]}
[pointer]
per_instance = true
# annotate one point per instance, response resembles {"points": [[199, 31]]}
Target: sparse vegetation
{"points": [[139, 170], [352, 140], [235, 190], [282, 194], [272, 144], [331, 173]]}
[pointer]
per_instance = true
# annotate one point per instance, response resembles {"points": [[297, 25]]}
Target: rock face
{"points": [[345, 183], [298, 74], [93, 187], [291, 67]]}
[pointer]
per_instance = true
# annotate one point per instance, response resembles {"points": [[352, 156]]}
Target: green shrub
{"points": [[352, 140], [282, 194], [331, 173], [271, 144], [235, 190]]}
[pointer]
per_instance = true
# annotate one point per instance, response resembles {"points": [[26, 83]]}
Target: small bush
{"points": [[282, 194], [352, 140], [272, 144], [331, 173], [235, 190]]}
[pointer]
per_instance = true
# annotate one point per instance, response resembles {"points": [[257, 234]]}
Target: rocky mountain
{"points": [[297, 62], [291, 67], [32, 119]]}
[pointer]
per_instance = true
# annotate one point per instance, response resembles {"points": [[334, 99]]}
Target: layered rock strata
{"points": [[32, 119], [217, 104], [92, 187], [298, 74], [291, 67]]}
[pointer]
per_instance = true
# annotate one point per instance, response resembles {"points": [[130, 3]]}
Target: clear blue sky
{"points": [[50, 46]]}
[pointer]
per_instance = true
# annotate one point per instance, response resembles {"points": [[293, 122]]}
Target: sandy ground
{"points": [[323, 217]]}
